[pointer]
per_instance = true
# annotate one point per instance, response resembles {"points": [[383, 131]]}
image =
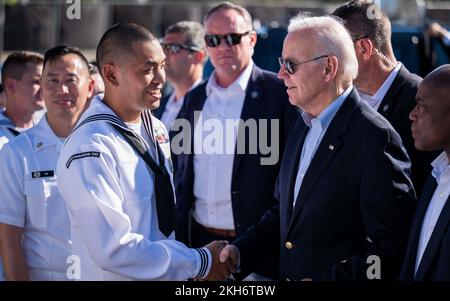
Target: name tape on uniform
{"points": [[42, 174], [81, 156]]}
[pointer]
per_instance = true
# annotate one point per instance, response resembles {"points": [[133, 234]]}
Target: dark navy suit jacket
{"points": [[435, 262], [252, 184], [356, 200], [395, 107]]}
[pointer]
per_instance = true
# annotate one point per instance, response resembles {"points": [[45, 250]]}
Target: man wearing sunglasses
{"points": [[345, 199], [184, 47], [229, 192], [383, 82]]}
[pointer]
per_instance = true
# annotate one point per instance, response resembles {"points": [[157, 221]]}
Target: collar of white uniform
{"points": [[43, 135], [239, 85], [98, 107], [5, 121]]}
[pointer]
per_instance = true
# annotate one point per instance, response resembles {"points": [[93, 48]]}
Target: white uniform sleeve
{"points": [[12, 198], [94, 200]]}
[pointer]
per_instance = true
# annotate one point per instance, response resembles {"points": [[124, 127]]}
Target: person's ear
{"points": [[365, 48], [331, 68], [109, 72], [199, 56], [10, 85], [253, 38], [91, 88]]}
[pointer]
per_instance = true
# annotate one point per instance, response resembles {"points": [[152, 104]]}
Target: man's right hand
{"points": [[230, 256], [218, 271]]}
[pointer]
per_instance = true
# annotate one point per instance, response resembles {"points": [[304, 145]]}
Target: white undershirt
{"points": [[139, 129], [213, 167], [375, 100]]}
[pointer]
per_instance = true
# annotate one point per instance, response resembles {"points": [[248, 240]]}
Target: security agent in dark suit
{"points": [[383, 82], [343, 189], [184, 47], [220, 195], [427, 258]]}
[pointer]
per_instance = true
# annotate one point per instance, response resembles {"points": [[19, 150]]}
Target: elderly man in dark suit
{"points": [[383, 82], [428, 252], [223, 191], [345, 198]]}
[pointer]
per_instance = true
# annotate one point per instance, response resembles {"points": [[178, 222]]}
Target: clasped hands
{"points": [[225, 258]]}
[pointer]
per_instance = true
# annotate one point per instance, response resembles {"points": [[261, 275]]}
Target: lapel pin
{"points": [[39, 144], [385, 108], [254, 94], [331, 147]]}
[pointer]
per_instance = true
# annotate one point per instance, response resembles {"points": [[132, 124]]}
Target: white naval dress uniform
{"points": [[5, 129], [5, 135], [109, 194], [30, 199]]}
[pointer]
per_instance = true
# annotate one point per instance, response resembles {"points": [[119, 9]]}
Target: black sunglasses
{"points": [[289, 65], [174, 48], [213, 40]]}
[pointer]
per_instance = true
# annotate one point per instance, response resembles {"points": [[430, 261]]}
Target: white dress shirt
{"points": [[109, 192], [375, 100], [173, 107], [441, 172], [30, 200], [318, 127], [213, 162]]}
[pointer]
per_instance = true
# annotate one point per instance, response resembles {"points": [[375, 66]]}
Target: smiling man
{"points": [[34, 229], [337, 208], [115, 175]]}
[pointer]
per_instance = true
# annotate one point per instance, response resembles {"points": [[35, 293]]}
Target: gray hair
{"points": [[193, 33], [330, 37], [228, 5]]}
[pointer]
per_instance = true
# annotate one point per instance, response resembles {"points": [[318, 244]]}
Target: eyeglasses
{"points": [[213, 40], [289, 65], [174, 48], [360, 37]]}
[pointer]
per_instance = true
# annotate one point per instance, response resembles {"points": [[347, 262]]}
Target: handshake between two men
{"points": [[225, 260]]}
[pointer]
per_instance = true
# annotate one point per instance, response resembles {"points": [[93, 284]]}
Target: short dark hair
{"points": [[228, 5], [117, 41], [15, 64], [61, 50], [365, 18], [192, 31]]}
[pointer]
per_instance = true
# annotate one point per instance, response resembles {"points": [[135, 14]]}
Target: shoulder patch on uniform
{"points": [[81, 156]]}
